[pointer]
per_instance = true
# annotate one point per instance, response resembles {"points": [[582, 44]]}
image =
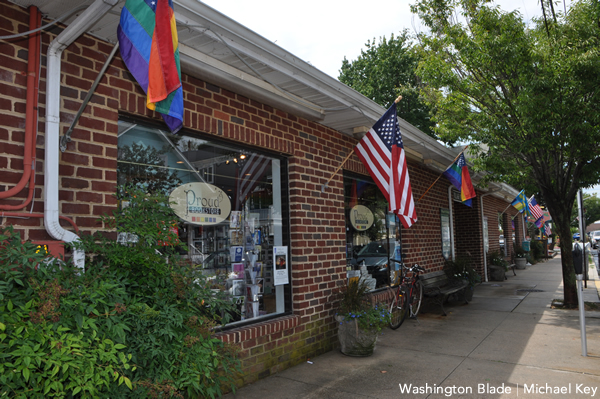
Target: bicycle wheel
{"points": [[398, 308], [416, 297]]}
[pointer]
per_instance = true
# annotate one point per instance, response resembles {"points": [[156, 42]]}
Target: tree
{"points": [[528, 95], [144, 168], [386, 70]]}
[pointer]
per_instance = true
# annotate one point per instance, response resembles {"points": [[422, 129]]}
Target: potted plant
{"points": [[520, 257], [359, 321], [497, 266], [460, 269]]}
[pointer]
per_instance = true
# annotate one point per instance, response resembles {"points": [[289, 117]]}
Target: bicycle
{"points": [[408, 296]]}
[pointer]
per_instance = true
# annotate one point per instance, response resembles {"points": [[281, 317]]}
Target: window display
{"points": [[230, 205], [370, 232]]}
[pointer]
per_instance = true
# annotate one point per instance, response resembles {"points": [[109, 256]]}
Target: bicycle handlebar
{"points": [[414, 268]]}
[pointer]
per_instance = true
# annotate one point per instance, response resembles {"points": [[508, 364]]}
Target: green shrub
{"points": [[461, 269], [537, 250], [354, 304], [50, 345], [138, 323]]}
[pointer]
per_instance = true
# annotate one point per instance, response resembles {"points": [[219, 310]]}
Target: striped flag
{"points": [[520, 202], [535, 209], [458, 174], [149, 47], [382, 152], [251, 173]]}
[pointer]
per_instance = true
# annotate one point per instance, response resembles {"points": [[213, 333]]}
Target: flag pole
{"points": [[337, 170], [509, 205], [397, 100], [432, 184]]}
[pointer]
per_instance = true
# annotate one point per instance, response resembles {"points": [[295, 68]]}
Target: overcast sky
{"points": [[323, 32]]}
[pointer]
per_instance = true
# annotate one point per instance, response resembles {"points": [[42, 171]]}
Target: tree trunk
{"points": [[566, 247]]}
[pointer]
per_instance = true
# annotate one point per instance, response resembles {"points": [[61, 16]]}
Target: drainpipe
{"points": [[450, 203], [31, 109], [51, 202], [485, 268]]}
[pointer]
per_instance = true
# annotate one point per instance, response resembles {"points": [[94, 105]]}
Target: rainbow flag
{"points": [[149, 47], [458, 174]]}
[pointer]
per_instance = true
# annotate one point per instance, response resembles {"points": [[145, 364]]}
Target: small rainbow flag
{"points": [[458, 174]]}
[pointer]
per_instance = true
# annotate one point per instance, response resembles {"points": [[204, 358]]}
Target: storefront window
{"points": [[231, 205], [371, 233]]}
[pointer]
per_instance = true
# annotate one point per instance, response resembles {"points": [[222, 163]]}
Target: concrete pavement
{"points": [[507, 343]]}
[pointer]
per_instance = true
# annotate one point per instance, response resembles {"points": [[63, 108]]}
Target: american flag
{"points": [[535, 209], [250, 175], [382, 152]]}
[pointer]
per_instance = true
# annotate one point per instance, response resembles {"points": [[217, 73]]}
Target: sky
{"points": [[323, 32]]}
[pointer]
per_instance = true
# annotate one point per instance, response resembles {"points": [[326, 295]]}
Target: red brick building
{"points": [[243, 96]]}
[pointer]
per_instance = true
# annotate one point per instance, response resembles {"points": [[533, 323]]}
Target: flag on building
{"points": [[520, 203], [548, 229], [535, 209], [539, 222], [382, 152], [149, 47], [458, 174]]}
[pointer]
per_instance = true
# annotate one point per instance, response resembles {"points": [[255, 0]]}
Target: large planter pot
{"points": [[520, 263], [469, 290], [355, 341], [497, 273]]}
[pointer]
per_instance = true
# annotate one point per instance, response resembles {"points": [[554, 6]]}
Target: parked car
{"points": [[375, 256], [595, 239]]}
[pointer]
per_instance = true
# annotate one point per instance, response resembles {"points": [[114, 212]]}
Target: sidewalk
{"points": [[507, 339]]}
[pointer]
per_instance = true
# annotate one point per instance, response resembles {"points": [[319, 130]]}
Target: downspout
{"points": [[31, 109], [51, 202], [485, 267], [450, 202]]}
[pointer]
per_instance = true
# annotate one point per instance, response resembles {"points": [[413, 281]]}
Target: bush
{"points": [[354, 305], [461, 269], [537, 250], [138, 323]]}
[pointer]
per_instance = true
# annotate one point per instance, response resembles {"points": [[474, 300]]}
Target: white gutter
{"points": [[450, 205], [52, 153]]}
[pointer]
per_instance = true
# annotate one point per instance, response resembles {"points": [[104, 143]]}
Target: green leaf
{"points": [[79, 320], [128, 383], [9, 306], [26, 374]]}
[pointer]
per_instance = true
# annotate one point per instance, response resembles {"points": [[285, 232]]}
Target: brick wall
{"points": [[88, 182]]}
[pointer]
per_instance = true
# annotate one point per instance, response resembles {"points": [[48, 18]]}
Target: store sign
{"points": [[200, 203], [361, 217]]}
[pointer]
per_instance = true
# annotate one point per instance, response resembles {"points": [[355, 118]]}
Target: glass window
{"points": [[232, 209], [370, 232]]}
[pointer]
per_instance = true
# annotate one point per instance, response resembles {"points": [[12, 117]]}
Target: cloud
{"points": [[323, 32]]}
